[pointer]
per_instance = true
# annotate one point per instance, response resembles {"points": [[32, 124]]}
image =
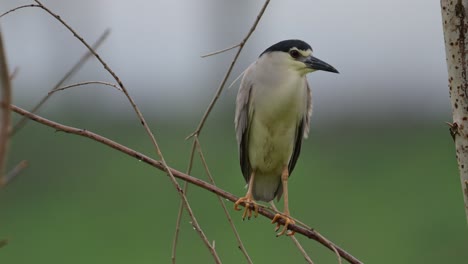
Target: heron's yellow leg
{"points": [[248, 201], [286, 216]]}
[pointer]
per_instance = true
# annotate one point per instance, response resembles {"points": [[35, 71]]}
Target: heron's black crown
{"points": [[286, 45]]}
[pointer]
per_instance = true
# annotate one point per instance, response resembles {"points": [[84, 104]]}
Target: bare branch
{"points": [[85, 83], [17, 8], [147, 129], [228, 73], [6, 112], [223, 205], [310, 233], [220, 51], [66, 77]]}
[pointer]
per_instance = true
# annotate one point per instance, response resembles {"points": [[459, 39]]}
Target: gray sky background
{"points": [[390, 54]]}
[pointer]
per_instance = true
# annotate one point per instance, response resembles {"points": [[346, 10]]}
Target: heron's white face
{"points": [[294, 60], [281, 64], [300, 61]]}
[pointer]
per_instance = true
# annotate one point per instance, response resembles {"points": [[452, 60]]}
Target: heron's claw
{"points": [[248, 201], [287, 221]]}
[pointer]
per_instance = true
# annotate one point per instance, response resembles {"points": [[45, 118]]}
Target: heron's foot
{"points": [[287, 221], [248, 202]]}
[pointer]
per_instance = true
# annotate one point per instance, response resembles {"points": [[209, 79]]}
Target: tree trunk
{"points": [[455, 25]]}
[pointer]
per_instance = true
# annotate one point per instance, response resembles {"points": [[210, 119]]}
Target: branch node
{"points": [[453, 129], [194, 134]]}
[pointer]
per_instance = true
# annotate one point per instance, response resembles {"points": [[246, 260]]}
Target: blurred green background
{"points": [[387, 194], [377, 176]]}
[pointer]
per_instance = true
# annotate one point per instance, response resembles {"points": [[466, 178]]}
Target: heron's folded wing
{"points": [[244, 112], [302, 131]]}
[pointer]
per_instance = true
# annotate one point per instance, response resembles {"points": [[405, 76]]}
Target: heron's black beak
{"points": [[318, 65]]}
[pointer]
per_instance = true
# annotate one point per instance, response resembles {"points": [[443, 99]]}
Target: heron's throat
{"points": [[282, 101]]}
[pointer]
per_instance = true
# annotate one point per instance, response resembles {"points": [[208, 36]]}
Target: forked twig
{"points": [[147, 129], [228, 73], [223, 205], [66, 77], [310, 233]]}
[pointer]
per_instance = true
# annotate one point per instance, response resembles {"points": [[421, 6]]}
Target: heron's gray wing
{"points": [[242, 121], [302, 130]]}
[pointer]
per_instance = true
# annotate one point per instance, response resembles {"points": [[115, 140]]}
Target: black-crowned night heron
{"points": [[273, 111]]}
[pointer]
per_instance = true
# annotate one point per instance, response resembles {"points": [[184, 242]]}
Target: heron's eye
{"points": [[294, 53]]}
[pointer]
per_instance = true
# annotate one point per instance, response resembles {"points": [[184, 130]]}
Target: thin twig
{"points": [[223, 205], [13, 173], [17, 8], [175, 240], [310, 233], [228, 73], [301, 249], [6, 112], [296, 242], [85, 83], [66, 77], [181, 208], [14, 73], [147, 129], [220, 51]]}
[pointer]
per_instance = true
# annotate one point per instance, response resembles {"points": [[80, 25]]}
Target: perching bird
{"points": [[273, 111]]}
